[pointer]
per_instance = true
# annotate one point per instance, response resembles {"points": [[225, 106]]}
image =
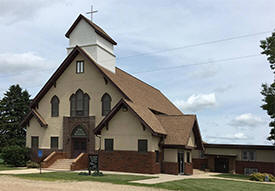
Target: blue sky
{"points": [[224, 95]]}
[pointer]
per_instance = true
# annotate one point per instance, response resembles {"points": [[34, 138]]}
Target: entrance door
{"points": [[181, 162], [79, 145], [222, 165]]}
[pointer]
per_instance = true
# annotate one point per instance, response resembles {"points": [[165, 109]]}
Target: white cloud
{"points": [[197, 102], [246, 120], [12, 11], [11, 63], [231, 137]]}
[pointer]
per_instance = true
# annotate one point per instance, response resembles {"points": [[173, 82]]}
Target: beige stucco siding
{"points": [[126, 129], [191, 141], [170, 155], [91, 82], [261, 155]]}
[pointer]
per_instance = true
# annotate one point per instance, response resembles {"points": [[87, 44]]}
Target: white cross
{"points": [[92, 12]]}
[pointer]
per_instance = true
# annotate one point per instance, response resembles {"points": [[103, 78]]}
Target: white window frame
{"points": [[250, 155], [79, 66]]}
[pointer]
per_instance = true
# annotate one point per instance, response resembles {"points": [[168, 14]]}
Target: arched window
{"points": [[106, 104], [79, 104], [79, 132], [55, 106]]}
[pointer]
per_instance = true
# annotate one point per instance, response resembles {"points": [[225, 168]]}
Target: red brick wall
{"points": [[49, 161], [199, 163], [129, 161], [267, 167], [81, 162], [188, 168], [170, 168]]}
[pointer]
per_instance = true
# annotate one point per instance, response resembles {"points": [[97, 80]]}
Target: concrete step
{"points": [[62, 164]]}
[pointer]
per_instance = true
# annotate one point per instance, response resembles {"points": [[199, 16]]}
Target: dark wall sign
{"points": [[93, 162]]}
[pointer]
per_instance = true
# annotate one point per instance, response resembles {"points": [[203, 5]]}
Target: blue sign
{"points": [[40, 153]]}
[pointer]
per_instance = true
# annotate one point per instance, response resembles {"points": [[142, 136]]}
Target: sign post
{"points": [[40, 154]]}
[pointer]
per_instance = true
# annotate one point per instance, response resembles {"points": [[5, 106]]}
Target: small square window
{"points": [[35, 142], [54, 142], [109, 144], [79, 67], [142, 145]]}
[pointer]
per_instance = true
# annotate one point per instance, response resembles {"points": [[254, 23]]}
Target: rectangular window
{"points": [[109, 144], [249, 155], [79, 67], [54, 142], [35, 142], [142, 145], [188, 157], [157, 156]]}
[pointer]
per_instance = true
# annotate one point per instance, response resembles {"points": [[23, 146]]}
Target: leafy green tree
{"points": [[13, 108], [268, 91]]}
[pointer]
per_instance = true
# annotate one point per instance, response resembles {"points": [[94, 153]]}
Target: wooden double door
{"points": [[79, 145]]}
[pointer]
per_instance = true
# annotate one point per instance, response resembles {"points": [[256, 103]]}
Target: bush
{"points": [[15, 155], [31, 164], [261, 177]]}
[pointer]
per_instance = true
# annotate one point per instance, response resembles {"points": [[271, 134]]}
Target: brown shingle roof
{"points": [[141, 93], [97, 29], [178, 128]]}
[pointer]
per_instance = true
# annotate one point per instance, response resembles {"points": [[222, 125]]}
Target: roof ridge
{"points": [[137, 79]]}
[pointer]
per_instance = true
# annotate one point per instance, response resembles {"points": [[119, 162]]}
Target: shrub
{"points": [[261, 177], [15, 155], [31, 164]]}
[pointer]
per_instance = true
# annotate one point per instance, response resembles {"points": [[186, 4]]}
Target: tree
{"points": [[268, 91], [13, 108]]}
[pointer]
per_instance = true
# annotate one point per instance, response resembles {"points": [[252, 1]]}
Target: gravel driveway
{"points": [[8, 183]]}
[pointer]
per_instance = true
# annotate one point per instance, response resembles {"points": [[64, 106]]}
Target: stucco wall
{"points": [[91, 82], [191, 141], [170, 155], [126, 129]]}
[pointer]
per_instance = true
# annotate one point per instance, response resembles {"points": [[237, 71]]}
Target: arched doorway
{"points": [[79, 141]]}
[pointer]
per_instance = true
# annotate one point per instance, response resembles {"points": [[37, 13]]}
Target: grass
{"points": [[71, 176], [235, 176], [187, 184]]}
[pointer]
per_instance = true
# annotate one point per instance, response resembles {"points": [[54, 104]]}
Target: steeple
{"points": [[94, 40]]}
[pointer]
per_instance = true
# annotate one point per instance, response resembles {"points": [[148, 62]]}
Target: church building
{"points": [[89, 106]]}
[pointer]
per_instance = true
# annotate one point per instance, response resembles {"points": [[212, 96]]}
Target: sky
{"points": [[203, 55]]}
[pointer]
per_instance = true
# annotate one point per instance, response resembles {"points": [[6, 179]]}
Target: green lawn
{"points": [[4, 167], [188, 184], [71, 176], [236, 176]]}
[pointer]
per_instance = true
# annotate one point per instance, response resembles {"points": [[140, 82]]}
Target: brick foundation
{"points": [[81, 162], [45, 153], [129, 161], [170, 168], [200, 164], [188, 168], [267, 167]]}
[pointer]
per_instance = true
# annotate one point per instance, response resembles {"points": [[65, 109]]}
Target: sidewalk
{"points": [[157, 178]]}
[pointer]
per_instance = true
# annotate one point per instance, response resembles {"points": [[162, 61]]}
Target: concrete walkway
{"points": [[157, 178]]}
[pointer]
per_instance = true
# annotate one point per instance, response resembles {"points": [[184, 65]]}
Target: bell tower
{"points": [[94, 40]]}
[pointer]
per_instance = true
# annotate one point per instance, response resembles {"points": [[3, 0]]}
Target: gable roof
{"points": [[39, 118], [179, 129], [142, 93], [131, 88], [146, 117], [97, 29]]}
